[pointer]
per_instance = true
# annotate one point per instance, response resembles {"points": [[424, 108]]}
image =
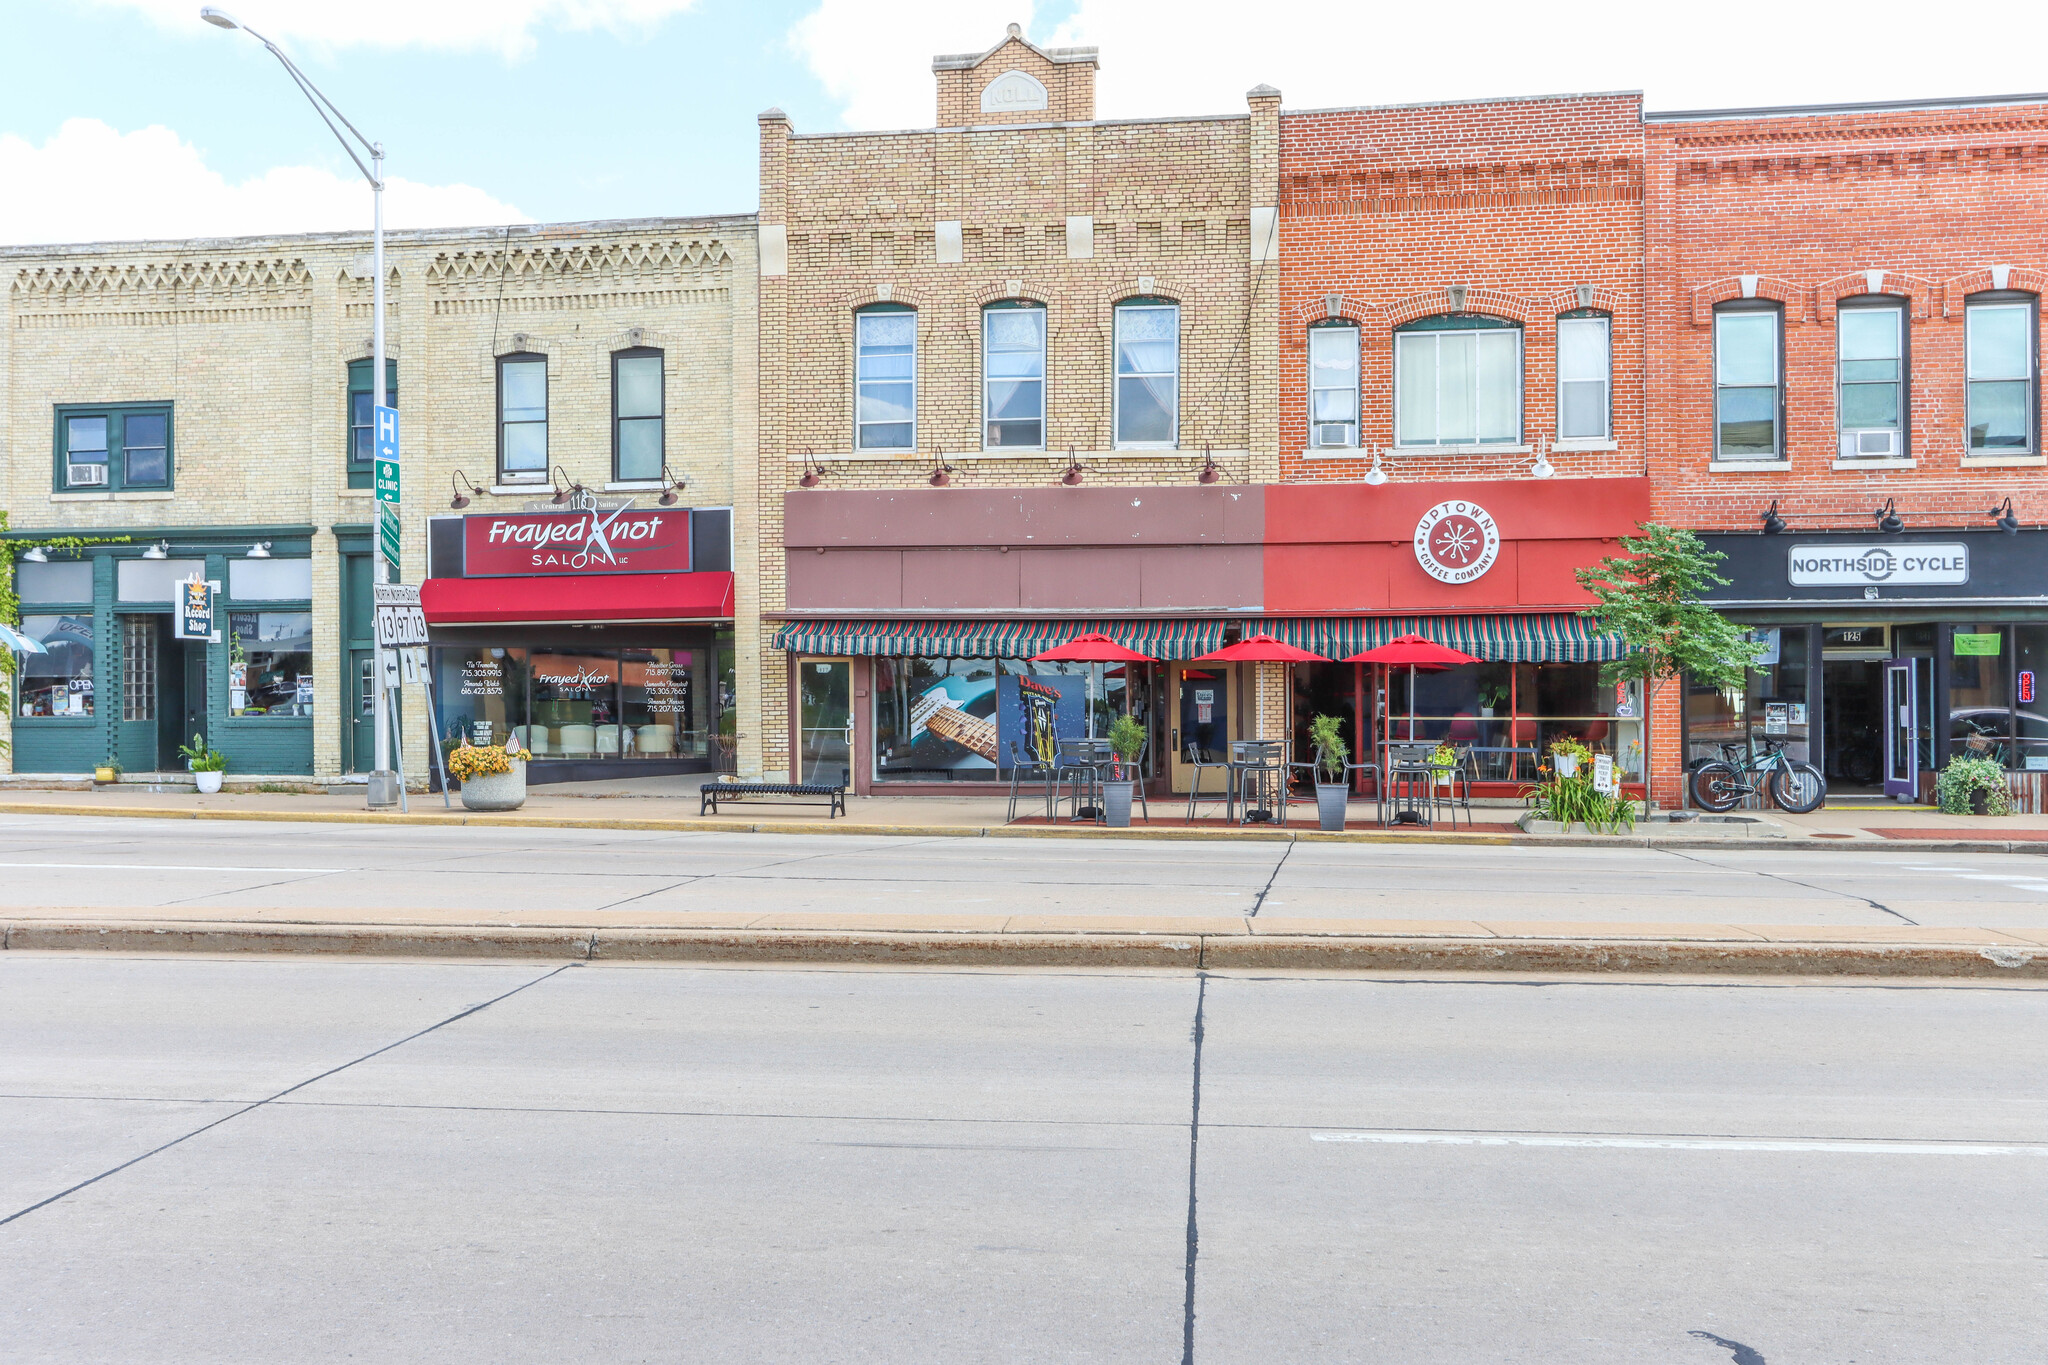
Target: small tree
{"points": [[1326, 733], [1650, 597]]}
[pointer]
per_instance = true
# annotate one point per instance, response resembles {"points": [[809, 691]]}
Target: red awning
{"points": [[587, 597]]}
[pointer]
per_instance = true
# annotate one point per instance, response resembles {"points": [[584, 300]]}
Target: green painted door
{"points": [[358, 697]]}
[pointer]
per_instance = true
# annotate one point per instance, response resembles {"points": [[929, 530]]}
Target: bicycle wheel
{"points": [[1798, 788], [1717, 786]]}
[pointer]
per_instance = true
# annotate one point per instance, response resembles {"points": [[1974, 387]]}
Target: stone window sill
{"points": [[1907, 463], [355, 493], [1569, 447], [1474, 449], [509, 489], [636, 486], [2005, 461], [118, 495], [925, 460], [1748, 466]]}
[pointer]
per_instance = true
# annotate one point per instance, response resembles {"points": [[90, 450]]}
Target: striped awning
{"points": [[1527, 638], [995, 639]]}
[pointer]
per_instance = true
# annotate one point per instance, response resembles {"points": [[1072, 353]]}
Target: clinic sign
{"points": [[1867, 566], [619, 540]]}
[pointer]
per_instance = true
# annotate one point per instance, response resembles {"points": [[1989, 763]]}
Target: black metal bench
{"points": [[833, 794]]}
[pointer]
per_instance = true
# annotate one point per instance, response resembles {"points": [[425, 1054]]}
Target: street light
{"points": [[383, 782]]}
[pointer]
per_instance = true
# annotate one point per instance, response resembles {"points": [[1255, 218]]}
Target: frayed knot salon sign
{"points": [[620, 540]]}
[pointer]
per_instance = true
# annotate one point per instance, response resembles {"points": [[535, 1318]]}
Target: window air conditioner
{"points": [[1333, 434], [1880, 443], [85, 475]]}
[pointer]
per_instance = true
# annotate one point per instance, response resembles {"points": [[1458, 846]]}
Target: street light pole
{"points": [[383, 782]]}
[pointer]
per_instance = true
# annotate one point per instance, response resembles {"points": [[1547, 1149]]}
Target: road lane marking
{"points": [[1854, 1146], [162, 867]]}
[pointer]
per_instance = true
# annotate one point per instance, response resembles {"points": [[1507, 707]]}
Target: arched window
{"points": [[885, 377], [522, 418], [1147, 374], [1585, 376], [1458, 381], [639, 449], [1013, 375], [1749, 384], [1333, 384], [1870, 377], [2004, 372]]}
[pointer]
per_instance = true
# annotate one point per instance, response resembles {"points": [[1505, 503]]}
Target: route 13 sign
{"points": [[1456, 541]]}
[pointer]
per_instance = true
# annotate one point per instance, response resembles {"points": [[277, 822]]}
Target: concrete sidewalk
{"points": [[670, 803]]}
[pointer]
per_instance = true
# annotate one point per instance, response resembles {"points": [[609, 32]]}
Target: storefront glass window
{"points": [[59, 683], [481, 694], [955, 720], [1511, 714], [270, 663], [662, 696], [2030, 719], [575, 704], [1980, 692], [1774, 705]]}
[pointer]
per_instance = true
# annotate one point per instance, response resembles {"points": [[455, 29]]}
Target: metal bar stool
{"points": [[1200, 764], [1034, 770]]}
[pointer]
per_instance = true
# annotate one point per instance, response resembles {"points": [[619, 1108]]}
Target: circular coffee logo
{"points": [[1456, 541]]}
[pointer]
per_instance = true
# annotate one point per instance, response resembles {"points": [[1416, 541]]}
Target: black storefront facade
{"points": [[1883, 655]]}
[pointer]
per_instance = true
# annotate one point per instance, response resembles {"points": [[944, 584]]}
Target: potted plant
{"points": [[1332, 797], [1567, 754], [1126, 741], [493, 777], [108, 772], [1973, 786], [207, 764]]}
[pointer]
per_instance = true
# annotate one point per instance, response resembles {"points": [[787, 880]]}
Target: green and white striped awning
{"points": [[995, 639], [1546, 637]]}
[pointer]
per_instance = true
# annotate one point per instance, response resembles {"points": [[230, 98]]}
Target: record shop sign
{"points": [[1863, 566], [615, 540]]}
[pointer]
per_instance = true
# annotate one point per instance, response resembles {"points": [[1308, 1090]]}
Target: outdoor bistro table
{"points": [[1411, 781], [1081, 764], [1259, 764]]}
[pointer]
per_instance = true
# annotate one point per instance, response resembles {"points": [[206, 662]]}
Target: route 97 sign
{"points": [[1456, 541], [400, 623]]}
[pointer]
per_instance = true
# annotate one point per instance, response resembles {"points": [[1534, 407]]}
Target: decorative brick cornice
{"points": [[1151, 286], [1705, 296], [550, 265], [996, 291], [124, 283], [884, 291], [1874, 281], [1959, 288], [1497, 303], [1597, 296]]}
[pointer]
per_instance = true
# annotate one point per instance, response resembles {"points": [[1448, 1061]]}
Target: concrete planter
{"points": [[499, 791], [1332, 800], [208, 783], [1116, 804]]}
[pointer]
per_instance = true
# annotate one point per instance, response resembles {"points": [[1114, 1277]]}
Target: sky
{"points": [[144, 121]]}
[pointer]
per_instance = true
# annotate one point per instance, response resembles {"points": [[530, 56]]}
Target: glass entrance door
{"points": [[1901, 728], [1201, 723], [825, 721]]}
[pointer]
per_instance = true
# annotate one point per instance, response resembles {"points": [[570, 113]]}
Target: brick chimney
{"points": [[1016, 82]]}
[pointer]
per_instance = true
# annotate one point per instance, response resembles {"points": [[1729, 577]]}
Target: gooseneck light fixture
{"points": [[565, 489], [1773, 523], [1210, 473], [1888, 519], [1073, 475], [2008, 521], [1376, 475], [1543, 468], [942, 473], [36, 555], [464, 489], [814, 472], [672, 487], [160, 550], [260, 550]]}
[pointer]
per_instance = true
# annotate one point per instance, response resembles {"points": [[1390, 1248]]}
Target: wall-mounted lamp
{"points": [[1543, 468], [814, 473], [942, 473], [457, 480], [36, 555], [260, 550], [1073, 475], [160, 550], [1376, 475], [672, 487], [2007, 521], [1773, 523], [1888, 519], [1210, 473], [562, 494]]}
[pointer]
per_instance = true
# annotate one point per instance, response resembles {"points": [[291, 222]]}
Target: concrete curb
{"points": [[1184, 952], [1936, 842]]}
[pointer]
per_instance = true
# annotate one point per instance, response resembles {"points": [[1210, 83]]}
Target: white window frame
{"points": [[1776, 313], [1844, 447], [1357, 376], [1522, 379], [916, 347], [1044, 365], [2030, 307], [1116, 376], [1606, 322]]}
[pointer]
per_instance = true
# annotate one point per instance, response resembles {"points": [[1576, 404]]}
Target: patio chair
{"points": [[1200, 764], [1031, 769], [1259, 772]]}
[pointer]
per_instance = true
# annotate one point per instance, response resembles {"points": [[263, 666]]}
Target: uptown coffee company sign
{"points": [[1871, 566], [1456, 541], [605, 541]]}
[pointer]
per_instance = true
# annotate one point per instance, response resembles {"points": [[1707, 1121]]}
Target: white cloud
{"points": [[504, 26], [90, 183], [877, 60], [1200, 56]]}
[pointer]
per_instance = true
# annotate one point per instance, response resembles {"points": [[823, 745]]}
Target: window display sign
{"points": [[193, 619], [1040, 710], [2027, 685], [1983, 645], [618, 540]]}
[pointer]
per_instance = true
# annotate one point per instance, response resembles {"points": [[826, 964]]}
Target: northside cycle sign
{"points": [[1863, 566], [621, 540]]}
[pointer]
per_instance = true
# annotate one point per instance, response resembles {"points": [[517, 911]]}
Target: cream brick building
{"points": [[1019, 217], [197, 396]]}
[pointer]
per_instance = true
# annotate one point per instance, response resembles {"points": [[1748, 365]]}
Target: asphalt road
{"points": [[533, 875], [309, 1160]]}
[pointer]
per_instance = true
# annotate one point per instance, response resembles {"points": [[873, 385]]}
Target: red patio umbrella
{"points": [[1090, 649], [1261, 649], [1416, 652]]}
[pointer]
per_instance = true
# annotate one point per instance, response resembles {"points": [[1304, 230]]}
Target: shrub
{"points": [[1327, 734], [201, 759], [1965, 775], [1126, 741]]}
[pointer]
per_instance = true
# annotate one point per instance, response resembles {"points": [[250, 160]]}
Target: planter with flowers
{"points": [[207, 764], [1973, 786], [492, 776], [1565, 794]]}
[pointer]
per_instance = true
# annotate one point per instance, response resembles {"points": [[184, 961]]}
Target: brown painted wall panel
{"points": [[957, 580], [1196, 578], [845, 580], [1102, 580], [933, 517]]}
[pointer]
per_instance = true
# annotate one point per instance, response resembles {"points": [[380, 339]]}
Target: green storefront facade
{"points": [[117, 686]]}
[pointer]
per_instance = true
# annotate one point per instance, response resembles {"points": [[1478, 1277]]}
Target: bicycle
{"points": [[1741, 771]]}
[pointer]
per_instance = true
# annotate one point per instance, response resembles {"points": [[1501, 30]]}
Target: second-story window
{"points": [[885, 378], [1013, 376], [2001, 373], [523, 418], [637, 445], [115, 447], [1585, 360], [1870, 401], [1333, 384], [1748, 391], [1458, 381], [361, 432], [1148, 374]]}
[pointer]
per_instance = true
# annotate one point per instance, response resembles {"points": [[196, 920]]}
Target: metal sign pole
{"points": [[434, 737], [397, 748]]}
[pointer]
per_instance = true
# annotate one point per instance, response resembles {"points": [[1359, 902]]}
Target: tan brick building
{"points": [[1016, 378], [208, 401]]}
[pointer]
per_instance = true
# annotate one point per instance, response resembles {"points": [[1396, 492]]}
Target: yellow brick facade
{"points": [[250, 340]]}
